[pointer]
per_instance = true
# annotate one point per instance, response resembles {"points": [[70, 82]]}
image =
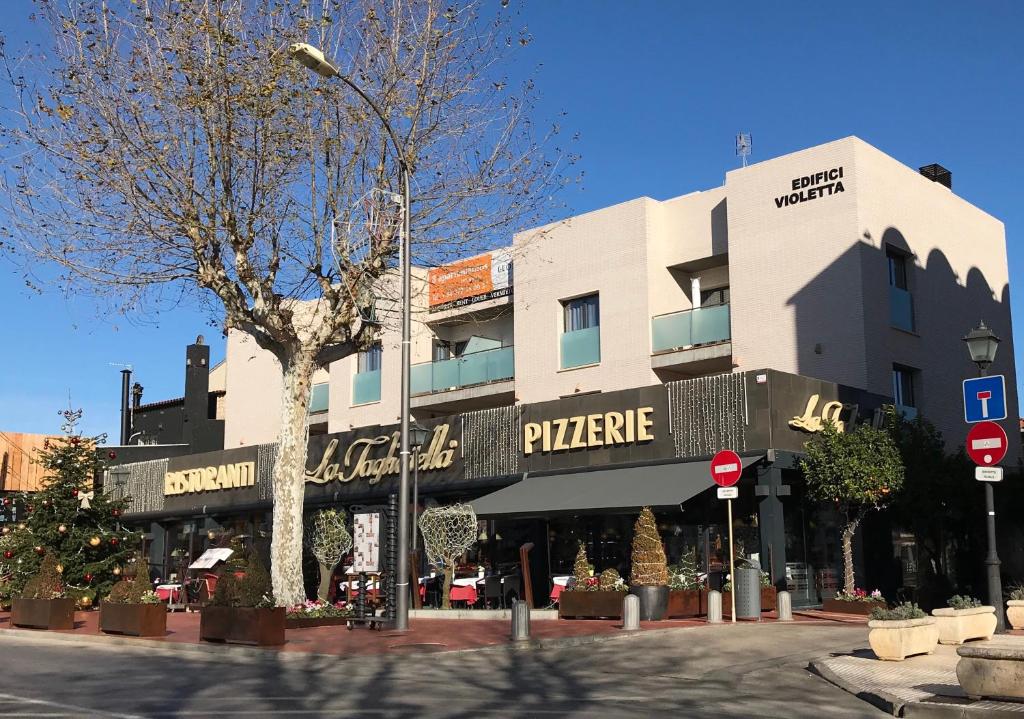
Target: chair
{"points": [[492, 590], [512, 588], [211, 584]]}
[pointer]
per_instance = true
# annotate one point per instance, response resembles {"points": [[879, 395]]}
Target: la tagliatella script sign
{"points": [[361, 459]]}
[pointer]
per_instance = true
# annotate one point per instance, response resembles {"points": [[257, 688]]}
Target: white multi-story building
{"points": [[836, 262]]}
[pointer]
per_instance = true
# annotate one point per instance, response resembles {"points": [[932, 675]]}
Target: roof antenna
{"points": [[743, 145]]}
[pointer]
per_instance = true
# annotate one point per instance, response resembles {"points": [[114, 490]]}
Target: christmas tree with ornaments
{"points": [[68, 521]]}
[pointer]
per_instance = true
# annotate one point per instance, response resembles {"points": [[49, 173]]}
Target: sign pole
{"points": [[732, 566]]}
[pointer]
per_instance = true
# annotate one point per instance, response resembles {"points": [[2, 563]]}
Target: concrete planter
{"points": [[1015, 613], [957, 626], [894, 641], [993, 670]]}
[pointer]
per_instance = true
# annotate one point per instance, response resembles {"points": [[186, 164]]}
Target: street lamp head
{"points": [[313, 58], [417, 435], [982, 343]]}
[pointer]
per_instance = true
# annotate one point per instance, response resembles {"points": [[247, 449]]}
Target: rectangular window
{"points": [[318, 398], [581, 313], [714, 298], [903, 386], [369, 360], [897, 270]]}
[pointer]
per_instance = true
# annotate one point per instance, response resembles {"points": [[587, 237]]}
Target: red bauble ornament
{"points": [[112, 454], [29, 508], [8, 554], [7, 501], [113, 541], [87, 577], [40, 551], [116, 512], [74, 441], [74, 492], [46, 502]]}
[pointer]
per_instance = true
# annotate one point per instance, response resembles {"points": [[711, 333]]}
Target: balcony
{"points": [[692, 342], [581, 347], [901, 309], [366, 387], [472, 381], [318, 398]]}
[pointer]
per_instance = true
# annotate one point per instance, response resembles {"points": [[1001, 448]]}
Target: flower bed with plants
{"points": [[133, 607], [859, 601], [317, 613], [902, 631], [590, 597], [963, 619]]}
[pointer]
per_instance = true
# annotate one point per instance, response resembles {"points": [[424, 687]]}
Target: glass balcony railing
{"points": [[318, 398], [366, 387], [901, 309], [482, 367], [581, 347], [701, 326]]}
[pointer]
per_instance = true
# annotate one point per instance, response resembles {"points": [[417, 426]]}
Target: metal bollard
{"points": [[784, 606], [631, 613], [520, 621], [714, 607]]}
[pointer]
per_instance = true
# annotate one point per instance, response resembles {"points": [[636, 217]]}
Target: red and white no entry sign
{"points": [[726, 468], [986, 443]]}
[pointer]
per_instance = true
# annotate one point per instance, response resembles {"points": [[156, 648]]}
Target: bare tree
{"points": [[169, 150]]}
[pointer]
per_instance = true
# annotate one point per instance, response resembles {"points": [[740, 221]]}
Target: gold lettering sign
{"points": [[210, 479], [359, 460], [810, 421], [606, 429]]}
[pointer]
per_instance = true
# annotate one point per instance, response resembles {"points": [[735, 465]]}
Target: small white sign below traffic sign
{"points": [[728, 492], [985, 474]]}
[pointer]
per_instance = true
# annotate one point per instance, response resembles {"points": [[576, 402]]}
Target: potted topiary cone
{"points": [[648, 577], [42, 604], [133, 608]]}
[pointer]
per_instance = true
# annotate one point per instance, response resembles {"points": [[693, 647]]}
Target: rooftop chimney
{"points": [[197, 389], [938, 173]]}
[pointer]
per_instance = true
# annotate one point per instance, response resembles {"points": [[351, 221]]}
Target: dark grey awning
{"points": [[660, 485]]}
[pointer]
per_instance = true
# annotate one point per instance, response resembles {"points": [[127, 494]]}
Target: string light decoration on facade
{"points": [[447, 533]]}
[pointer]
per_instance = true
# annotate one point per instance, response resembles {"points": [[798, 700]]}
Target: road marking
{"points": [[77, 711]]}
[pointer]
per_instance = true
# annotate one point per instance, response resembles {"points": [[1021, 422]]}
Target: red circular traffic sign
{"points": [[726, 468], [986, 443]]}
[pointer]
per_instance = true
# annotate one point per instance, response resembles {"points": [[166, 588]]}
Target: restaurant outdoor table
{"points": [[558, 588], [465, 593], [168, 592]]}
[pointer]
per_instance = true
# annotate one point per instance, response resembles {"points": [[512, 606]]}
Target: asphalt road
{"points": [[724, 671]]}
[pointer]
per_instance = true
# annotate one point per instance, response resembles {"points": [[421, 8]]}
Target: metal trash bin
{"points": [[747, 586]]}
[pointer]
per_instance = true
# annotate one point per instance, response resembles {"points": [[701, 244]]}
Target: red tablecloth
{"points": [[463, 594], [556, 592], [168, 594]]}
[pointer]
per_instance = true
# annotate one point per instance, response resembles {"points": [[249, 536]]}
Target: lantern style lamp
{"points": [[417, 438], [418, 435], [982, 343]]}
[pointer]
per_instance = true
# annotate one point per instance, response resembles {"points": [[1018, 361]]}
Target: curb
{"points": [[937, 710], [256, 654], [884, 701]]}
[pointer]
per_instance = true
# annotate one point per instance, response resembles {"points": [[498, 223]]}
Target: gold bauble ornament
{"points": [[6, 530], [85, 601], [62, 529], [60, 569], [94, 542], [117, 571], [21, 525]]}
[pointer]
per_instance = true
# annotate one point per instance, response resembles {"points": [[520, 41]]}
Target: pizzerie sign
{"points": [[362, 461], [588, 431], [210, 479], [814, 421]]}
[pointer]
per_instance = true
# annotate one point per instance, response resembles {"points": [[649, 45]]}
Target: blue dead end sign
{"points": [[985, 399]]}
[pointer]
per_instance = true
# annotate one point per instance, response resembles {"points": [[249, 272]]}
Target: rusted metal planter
{"points": [[242, 625], [305, 623], [137, 620], [684, 603], [601, 604], [43, 613], [842, 606], [768, 599]]}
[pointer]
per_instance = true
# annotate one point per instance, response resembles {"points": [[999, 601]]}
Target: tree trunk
{"points": [[449, 574], [290, 485], [848, 531], [326, 572]]}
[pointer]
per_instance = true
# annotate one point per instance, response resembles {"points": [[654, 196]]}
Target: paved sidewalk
{"points": [[919, 686]]}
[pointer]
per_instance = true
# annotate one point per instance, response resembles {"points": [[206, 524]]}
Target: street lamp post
{"points": [[982, 343], [315, 60], [417, 438]]}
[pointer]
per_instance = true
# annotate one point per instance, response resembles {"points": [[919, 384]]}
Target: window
{"points": [[369, 360], [903, 386], [897, 269], [581, 313], [714, 298], [318, 398]]}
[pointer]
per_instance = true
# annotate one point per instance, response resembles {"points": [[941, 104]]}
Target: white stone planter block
{"points": [[896, 640], [992, 669], [957, 626], [1015, 613]]}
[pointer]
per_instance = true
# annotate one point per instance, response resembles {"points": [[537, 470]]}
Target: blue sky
{"points": [[657, 91]]}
